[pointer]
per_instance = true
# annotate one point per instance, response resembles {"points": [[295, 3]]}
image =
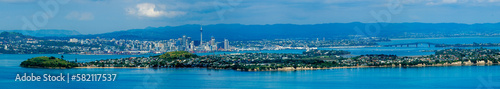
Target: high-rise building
{"points": [[183, 39], [186, 43], [172, 46], [212, 41], [213, 46], [192, 46], [140, 47], [150, 47], [226, 45], [178, 44]]}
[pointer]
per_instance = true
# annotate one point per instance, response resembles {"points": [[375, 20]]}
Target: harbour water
{"points": [[467, 77], [479, 77], [455, 40], [422, 49]]}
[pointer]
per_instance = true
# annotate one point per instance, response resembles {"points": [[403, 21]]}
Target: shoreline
{"points": [[113, 67], [304, 68], [349, 67], [444, 37]]}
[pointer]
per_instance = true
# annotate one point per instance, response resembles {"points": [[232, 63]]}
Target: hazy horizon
{"points": [[102, 16]]}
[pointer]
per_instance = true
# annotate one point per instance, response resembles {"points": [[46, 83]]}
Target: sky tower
{"points": [[201, 35]]}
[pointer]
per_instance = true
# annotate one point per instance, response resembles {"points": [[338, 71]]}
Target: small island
{"points": [[47, 62]]}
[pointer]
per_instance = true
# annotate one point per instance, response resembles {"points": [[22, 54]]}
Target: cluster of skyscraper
{"points": [[183, 43], [186, 44]]}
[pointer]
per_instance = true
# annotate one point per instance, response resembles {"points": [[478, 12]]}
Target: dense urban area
{"points": [[16, 43]]}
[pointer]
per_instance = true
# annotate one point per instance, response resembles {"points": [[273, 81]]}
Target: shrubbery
{"points": [[47, 62]]}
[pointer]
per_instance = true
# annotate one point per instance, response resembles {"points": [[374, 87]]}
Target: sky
{"points": [[101, 16]]}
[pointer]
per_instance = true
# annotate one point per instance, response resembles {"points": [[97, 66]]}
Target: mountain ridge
{"points": [[46, 32], [295, 31]]}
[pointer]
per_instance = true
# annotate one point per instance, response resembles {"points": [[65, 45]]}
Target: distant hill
{"points": [[46, 32], [47, 62], [7, 36], [11, 34], [277, 31]]}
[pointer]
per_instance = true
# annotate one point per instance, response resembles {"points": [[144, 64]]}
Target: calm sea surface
{"points": [[456, 40], [466, 77], [417, 51]]}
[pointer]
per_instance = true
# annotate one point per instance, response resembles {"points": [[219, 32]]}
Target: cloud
{"points": [[448, 2], [152, 10], [442, 2], [80, 16], [17, 1]]}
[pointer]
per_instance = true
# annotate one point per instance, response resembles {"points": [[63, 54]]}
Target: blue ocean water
{"points": [[400, 51], [418, 51], [466, 77], [452, 40]]}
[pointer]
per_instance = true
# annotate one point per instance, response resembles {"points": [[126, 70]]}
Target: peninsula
{"points": [[312, 59], [308, 60]]}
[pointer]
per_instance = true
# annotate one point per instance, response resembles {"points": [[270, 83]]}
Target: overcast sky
{"points": [[100, 16]]}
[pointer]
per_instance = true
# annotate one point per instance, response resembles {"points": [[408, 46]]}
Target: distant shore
{"points": [[310, 68], [349, 67], [113, 67], [443, 37]]}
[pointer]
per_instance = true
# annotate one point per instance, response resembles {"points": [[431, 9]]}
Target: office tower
{"points": [[140, 47], [192, 46], [226, 45], [178, 44], [186, 43], [133, 46], [150, 47], [212, 41], [212, 44], [183, 39], [172, 46]]}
